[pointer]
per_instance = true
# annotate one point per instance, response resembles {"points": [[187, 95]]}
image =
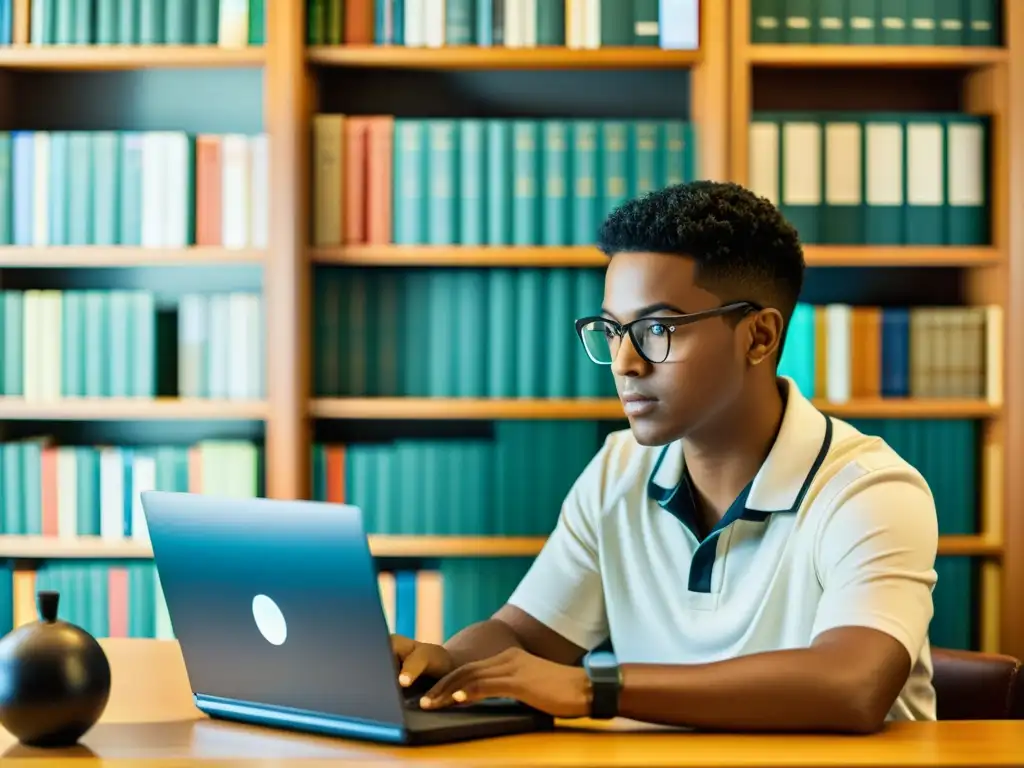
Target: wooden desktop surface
{"points": [[150, 720]]}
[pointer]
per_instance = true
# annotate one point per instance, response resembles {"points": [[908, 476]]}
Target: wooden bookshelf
{"points": [[610, 408], [470, 57], [873, 56], [982, 81], [130, 409], [586, 256], [113, 57], [124, 256], [95, 547]]}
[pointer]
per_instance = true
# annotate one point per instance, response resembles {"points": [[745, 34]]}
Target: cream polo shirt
{"points": [[834, 530]]}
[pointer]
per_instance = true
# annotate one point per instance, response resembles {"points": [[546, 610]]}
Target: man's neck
{"points": [[724, 457]]}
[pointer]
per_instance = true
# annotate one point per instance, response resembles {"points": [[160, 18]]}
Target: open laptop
{"points": [[277, 610]]}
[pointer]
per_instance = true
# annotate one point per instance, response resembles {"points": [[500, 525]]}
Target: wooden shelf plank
{"points": [[98, 57], [608, 408], [874, 56], [470, 57], [95, 547], [588, 256], [124, 256], [129, 409]]}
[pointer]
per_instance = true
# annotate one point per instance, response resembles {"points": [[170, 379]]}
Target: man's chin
{"points": [[651, 432]]}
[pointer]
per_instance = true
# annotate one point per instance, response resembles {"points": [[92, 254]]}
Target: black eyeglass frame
{"points": [[672, 321]]}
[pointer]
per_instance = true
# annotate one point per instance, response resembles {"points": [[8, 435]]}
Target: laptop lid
{"points": [[275, 603]]}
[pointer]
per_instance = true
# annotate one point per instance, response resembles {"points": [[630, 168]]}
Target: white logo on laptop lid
{"points": [[269, 620]]}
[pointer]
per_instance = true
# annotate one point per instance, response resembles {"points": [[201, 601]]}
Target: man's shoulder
{"points": [[859, 456], [621, 466]]}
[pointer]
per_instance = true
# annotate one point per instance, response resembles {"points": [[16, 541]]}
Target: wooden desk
{"points": [[151, 721]]}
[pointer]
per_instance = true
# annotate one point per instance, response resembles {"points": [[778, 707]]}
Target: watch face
{"points": [[601, 660]]}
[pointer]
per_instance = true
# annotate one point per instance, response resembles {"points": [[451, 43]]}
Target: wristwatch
{"points": [[605, 682]]}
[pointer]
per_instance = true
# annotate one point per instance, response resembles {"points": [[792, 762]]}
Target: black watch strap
{"points": [[605, 682]]}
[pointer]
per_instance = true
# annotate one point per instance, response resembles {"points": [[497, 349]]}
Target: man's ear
{"points": [[766, 327]]}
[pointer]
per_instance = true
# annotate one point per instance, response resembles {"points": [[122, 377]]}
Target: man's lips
{"points": [[635, 404]]}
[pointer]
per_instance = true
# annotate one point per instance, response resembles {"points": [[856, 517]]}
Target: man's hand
{"points": [[556, 689], [416, 658]]}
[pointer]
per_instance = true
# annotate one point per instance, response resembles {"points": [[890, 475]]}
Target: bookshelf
{"points": [[729, 77], [877, 78]]}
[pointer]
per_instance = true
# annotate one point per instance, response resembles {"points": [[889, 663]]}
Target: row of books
{"points": [[152, 189], [840, 352], [110, 598], [116, 343], [510, 333], [505, 23], [513, 482], [548, 182], [225, 23], [64, 491], [859, 178], [455, 333], [867, 22], [105, 598]]}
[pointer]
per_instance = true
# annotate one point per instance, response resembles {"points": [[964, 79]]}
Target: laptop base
{"points": [[420, 727]]}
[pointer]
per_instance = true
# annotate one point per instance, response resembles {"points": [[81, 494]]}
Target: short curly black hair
{"points": [[742, 244]]}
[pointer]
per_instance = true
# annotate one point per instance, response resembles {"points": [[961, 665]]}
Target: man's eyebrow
{"points": [[660, 306]]}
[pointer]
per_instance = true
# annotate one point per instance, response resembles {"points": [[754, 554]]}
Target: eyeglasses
{"points": [[651, 336]]}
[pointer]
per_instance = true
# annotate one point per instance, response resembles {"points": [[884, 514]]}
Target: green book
{"points": [[893, 22], [526, 182], [967, 180], [766, 21]]}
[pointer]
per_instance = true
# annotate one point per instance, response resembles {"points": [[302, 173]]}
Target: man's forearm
{"points": [[481, 641], [796, 690]]}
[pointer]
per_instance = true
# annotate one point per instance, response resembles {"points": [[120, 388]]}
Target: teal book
{"points": [[64, 21], [119, 333], [152, 22], [893, 22], [97, 375], [585, 169], [949, 26], [83, 22], [416, 339], [616, 23], [58, 191], [766, 21], [926, 161], [615, 172], [843, 206], [556, 169], [471, 333], [6, 189], [981, 25], [205, 22], [884, 158], [968, 157], [924, 22], [131, 189], [676, 140], [800, 18], [13, 343], [442, 176], [831, 22], [178, 22], [73, 351], [87, 485], [128, 19], [80, 197], [530, 327], [472, 197], [558, 340], [499, 182], [526, 182], [503, 332], [440, 320], [954, 597], [863, 15], [646, 159], [409, 182], [106, 179], [107, 20], [801, 173]]}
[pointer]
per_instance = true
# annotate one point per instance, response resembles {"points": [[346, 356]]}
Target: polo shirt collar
{"points": [[781, 481]]}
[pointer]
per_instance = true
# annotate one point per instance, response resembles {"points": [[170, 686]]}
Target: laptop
{"points": [[276, 607]]}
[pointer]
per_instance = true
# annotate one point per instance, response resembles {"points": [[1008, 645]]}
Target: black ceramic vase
{"points": [[54, 679]]}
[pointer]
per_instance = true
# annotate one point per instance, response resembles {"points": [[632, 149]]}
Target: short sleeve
{"points": [[876, 561], [563, 588]]}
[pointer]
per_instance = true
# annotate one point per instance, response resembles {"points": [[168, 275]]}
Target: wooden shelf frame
{"points": [[96, 547], [440, 408], [587, 256], [472, 57], [993, 80], [89, 58], [92, 256], [131, 409]]}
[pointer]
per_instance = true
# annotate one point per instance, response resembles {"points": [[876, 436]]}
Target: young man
{"points": [[755, 564]]}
